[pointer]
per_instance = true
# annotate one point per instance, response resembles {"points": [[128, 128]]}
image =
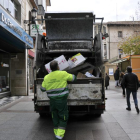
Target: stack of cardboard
{"points": [[62, 62], [76, 60], [75, 65]]}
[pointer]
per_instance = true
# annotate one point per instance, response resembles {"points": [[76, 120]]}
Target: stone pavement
{"points": [[9, 99], [18, 121]]}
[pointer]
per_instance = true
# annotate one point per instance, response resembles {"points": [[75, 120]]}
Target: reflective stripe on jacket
{"points": [[55, 84]]}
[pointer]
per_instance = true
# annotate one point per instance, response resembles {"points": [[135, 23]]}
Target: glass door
{"points": [[4, 72]]}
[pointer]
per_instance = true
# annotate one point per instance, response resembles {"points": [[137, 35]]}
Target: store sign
{"points": [[34, 28], [7, 22], [111, 71]]}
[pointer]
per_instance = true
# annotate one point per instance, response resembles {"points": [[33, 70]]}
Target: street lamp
{"points": [[33, 21], [34, 13]]}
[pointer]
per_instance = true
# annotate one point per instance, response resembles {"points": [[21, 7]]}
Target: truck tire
{"points": [[42, 115], [98, 115]]}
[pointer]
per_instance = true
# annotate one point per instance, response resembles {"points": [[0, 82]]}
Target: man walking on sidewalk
{"points": [[131, 83], [55, 84]]}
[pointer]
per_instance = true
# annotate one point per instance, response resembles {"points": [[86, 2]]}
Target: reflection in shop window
{"points": [[105, 51], [30, 62], [4, 72]]}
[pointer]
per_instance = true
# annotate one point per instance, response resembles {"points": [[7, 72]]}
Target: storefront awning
{"points": [[12, 37], [115, 60], [119, 61]]}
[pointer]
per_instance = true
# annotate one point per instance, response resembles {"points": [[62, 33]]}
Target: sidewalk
{"points": [[9, 99], [18, 121]]}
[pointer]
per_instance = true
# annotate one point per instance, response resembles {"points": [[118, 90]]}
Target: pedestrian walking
{"points": [[55, 84], [107, 78], [116, 77], [123, 87], [131, 83]]}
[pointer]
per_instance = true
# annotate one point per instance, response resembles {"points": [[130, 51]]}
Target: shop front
{"points": [[31, 55], [14, 42], [133, 61], [4, 73]]}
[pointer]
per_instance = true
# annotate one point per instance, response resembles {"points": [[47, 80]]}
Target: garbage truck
{"points": [[68, 34]]}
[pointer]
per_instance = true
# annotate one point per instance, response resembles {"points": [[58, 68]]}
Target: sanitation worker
{"points": [[55, 84]]}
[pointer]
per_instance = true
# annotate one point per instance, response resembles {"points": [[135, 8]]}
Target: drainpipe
{"points": [[109, 42]]}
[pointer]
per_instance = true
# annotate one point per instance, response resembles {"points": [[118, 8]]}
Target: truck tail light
{"points": [[101, 106], [103, 37]]}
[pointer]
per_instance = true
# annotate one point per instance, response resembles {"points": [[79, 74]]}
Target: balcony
{"points": [[34, 3]]}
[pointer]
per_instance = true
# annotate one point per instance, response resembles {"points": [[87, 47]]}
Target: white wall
{"points": [[127, 31]]}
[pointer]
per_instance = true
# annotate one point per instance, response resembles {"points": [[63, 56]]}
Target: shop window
{"points": [[4, 72], [30, 62], [119, 33], [105, 51]]}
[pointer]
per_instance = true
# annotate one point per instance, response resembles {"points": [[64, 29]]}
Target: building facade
{"points": [[14, 43], [28, 27], [117, 31], [17, 46]]}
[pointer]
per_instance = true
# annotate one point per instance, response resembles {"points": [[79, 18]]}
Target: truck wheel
{"points": [[97, 115], [42, 115]]}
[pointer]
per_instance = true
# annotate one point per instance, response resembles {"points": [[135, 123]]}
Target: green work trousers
{"points": [[59, 110]]}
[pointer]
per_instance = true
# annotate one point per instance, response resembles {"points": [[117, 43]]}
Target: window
{"points": [[2, 2], [12, 7], [104, 29], [119, 33], [136, 32]]}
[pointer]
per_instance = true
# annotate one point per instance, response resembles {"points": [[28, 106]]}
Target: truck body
{"points": [[68, 34]]}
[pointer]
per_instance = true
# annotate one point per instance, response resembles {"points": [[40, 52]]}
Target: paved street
{"points": [[18, 121]]}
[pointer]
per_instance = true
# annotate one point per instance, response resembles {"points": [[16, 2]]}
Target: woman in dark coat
{"points": [[107, 78]]}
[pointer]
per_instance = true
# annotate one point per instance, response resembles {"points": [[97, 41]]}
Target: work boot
{"points": [[58, 139], [129, 109], [137, 109]]}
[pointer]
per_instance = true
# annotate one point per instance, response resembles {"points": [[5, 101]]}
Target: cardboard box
{"points": [[76, 60], [80, 75], [62, 62], [89, 75]]}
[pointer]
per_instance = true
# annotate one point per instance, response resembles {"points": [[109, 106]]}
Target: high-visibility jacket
{"points": [[55, 84]]}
